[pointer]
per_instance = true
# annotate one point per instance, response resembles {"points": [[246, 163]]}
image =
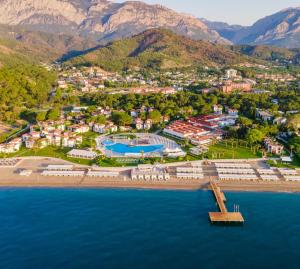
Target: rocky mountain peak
{"points": [[105, 20]]}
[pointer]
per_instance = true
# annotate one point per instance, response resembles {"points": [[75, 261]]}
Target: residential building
{"points": [[229, 86], [264, 115], [273, 147]]}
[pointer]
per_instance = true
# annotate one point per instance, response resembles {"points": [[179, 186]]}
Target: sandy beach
{"points": [[9, 177]]}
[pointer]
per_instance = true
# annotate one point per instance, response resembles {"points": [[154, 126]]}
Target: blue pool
{"points": [[127, 149]]}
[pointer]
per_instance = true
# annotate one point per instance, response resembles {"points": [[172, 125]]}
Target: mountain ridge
{"points": [[280, 29], [102, 19], [158, 48]]}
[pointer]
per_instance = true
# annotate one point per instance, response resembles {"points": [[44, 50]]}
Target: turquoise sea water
{"points": [[138, 229], [127, 149]]}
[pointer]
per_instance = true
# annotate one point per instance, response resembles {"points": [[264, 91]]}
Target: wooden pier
{"points": [[223, 216]]}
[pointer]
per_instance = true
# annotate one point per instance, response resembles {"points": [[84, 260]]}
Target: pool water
{"points": [[128, 149]]}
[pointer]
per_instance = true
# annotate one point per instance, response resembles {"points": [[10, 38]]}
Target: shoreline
{"points": [[172, 186], [10, 178]]}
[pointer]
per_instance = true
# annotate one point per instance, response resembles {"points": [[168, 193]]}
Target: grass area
{"points": [[88, 140], [51, 151], [226, 151]]}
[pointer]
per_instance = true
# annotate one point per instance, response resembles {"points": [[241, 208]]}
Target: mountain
{"points": [[225, 30], [158, 48], [281, 29], [102, 19]]}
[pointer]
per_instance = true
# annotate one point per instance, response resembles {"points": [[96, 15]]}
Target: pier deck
{"points": [[223, 216]]}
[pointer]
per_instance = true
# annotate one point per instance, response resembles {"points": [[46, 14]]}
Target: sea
{"points": [[143, 229]]}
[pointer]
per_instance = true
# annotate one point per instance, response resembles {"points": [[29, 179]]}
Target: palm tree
{"points": [[291, 150]]}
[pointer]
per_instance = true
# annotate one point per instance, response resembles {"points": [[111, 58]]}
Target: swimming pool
{"points": [[127, 149]]}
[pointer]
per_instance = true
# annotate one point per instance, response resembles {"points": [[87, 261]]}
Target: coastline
{"points": [[10, 178], [171, 185]]}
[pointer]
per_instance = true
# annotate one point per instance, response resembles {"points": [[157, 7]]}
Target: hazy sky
{"points": [[244, 12]]}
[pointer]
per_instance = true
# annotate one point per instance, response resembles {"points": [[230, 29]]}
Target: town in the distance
{"points": [[179, 127]]}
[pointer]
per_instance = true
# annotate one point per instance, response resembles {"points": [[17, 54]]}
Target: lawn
{"points": [[88, 140], [51, 151], [223, 151]]}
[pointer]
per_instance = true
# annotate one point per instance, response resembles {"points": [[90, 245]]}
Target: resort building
{"points": [[182, 130], [12, 146], [139, 124], [149, 173], [264, 115], [231, 73], [202, 140], [79, 129], [233, 112], [201, 130], [229, 86], [280, 121], [82, 154], [273, 147], [218, 110], [148, 124]]}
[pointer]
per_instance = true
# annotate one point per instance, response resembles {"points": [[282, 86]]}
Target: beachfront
{"points": [[50, 172]]}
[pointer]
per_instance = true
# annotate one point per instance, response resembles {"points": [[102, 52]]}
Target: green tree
{"points": [[41, 116], [254, 136], [155, 116], [121, 118], [53, 114], [294, 122]]}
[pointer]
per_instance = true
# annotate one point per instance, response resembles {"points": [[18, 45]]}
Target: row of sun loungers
{"points": [[189, 176], [236, 171], [237, 177], [269, 177], [102, 174], [190, 172], [285, 171], [266, 171], [232, 171], [9, 162], [233, 165], [59, 173], [79, 173], [292, 178]]}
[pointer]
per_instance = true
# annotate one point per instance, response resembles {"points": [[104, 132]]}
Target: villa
{"points": [[79, 129], [273, 147], [12, 146], [264, 115]]}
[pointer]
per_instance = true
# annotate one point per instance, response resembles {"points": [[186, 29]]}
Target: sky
{"points": [[243, 12]]}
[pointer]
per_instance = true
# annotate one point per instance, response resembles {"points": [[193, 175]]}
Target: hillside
{"points": [[24, 83], [158, 48], [270, 53], [104, 20], [41, 46]]}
